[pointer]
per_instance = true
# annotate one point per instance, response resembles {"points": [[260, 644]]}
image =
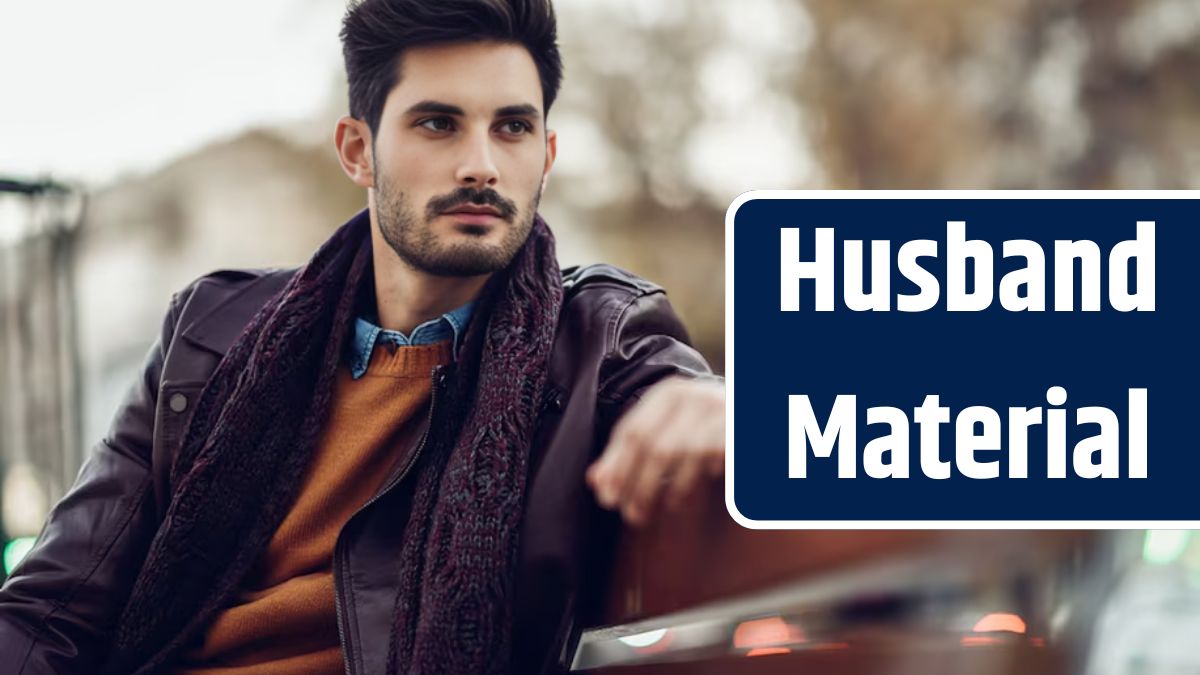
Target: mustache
{"points": [[465, 195]]}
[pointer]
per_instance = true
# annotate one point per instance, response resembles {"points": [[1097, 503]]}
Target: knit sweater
{"points": [[282, 619]]}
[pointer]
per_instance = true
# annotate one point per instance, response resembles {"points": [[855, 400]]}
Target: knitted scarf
{"points": [[254, 429]]}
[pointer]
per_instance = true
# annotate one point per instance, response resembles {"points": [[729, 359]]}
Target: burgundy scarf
{"points": [[258, 420]]}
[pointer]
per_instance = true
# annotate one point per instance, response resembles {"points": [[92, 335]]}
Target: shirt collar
{"points": [[450, 326]]}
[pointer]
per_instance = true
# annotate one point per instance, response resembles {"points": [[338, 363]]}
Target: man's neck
{"points": [[406, 297]]}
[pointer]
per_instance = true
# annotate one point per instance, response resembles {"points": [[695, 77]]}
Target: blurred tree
{"points": [[1017, 94], [669, 111]]}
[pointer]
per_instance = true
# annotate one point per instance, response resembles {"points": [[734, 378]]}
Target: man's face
{"points": [[460, 157]]}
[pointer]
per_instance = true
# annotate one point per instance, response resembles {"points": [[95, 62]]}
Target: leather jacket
{"points": [[616, 336]]}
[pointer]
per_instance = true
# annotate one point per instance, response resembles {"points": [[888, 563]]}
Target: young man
{"points": [[380, 462]]}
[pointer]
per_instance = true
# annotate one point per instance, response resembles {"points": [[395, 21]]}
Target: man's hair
{"points": [[375, 34]]}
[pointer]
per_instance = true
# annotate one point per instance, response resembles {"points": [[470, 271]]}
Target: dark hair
{"points": [[375, 34]]}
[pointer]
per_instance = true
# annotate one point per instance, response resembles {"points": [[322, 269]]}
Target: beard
{"points": [[414, 241]]}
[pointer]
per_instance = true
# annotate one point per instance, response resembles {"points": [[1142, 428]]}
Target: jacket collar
{"points": [[231, 298], [229, 307]]}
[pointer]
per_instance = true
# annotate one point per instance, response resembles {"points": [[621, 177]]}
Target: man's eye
{"points": [[516, 127], [438, 124]]}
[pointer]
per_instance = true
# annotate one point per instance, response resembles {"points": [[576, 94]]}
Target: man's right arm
{"points": [[59, 608]]}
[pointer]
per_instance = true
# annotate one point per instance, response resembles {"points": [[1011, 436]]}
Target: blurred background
{"points": [[144, 143]]}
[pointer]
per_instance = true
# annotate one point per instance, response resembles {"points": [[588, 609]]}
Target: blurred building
{"points": [[669, 110]]}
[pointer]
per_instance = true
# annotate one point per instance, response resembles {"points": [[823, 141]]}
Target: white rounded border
{"points": [[731, 506]]}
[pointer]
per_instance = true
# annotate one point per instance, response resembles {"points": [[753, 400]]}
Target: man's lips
{"points": [[474, 215], [474, 211]]}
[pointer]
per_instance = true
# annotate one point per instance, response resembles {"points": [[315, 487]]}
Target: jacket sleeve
{"points": [[60, 605], [648, 342]]}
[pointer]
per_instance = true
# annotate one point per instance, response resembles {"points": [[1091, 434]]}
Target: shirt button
{"points": [[178, 403]]}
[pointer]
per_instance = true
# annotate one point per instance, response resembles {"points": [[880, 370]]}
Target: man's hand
{"points": [[661, 448]]}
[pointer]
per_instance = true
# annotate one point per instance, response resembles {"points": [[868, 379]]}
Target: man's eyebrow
{"points": [[435, 107], [522, 110]]}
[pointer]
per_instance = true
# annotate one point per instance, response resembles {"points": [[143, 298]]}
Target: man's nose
{"points": [[477, 167]]}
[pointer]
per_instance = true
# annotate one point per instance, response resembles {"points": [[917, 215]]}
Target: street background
{"points": [[143, 144]]}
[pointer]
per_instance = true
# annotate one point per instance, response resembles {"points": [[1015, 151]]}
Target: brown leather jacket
{"points": [[617, 335]]}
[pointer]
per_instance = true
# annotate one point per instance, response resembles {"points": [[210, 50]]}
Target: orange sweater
{"points": [[282, 619]]}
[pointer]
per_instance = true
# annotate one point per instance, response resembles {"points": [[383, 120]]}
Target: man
{"points": [[379, 462]]}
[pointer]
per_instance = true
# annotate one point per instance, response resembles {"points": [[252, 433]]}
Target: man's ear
{"points": [[352, 139], [551, 153]]}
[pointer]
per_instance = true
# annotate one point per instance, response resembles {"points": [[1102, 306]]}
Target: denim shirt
{"points": [[449, 326]]}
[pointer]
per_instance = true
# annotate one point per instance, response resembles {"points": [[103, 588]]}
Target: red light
{"points": [[770, 632], [1000, 622], [980, 641]]}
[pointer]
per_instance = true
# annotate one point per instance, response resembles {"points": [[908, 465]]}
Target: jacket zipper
{"points": [[338, 592]]}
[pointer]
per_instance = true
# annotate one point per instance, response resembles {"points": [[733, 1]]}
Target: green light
{"points": [[15, 551], [1163, 547]]}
